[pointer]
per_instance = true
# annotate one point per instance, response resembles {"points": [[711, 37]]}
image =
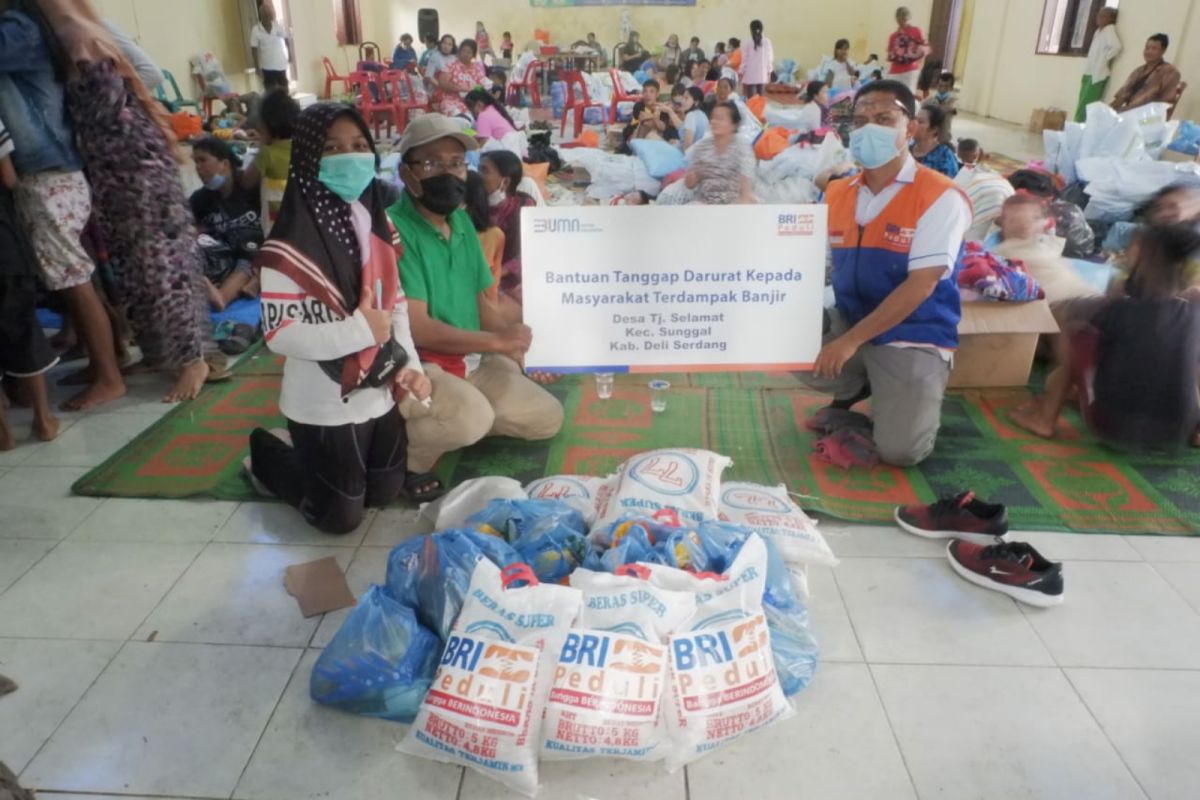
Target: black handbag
{"points": [[390, 359]]}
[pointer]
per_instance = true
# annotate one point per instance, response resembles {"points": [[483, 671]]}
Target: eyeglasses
{"points": [[879, 112], [429, 166]]}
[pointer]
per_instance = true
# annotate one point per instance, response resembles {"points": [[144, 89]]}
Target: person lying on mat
{"points": [[332, 304], [896, 231], [1134, 362], [470, 346]]}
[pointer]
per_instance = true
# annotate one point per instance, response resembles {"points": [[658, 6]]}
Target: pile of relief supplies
{"points": [[653, 615], [1115, 157]]}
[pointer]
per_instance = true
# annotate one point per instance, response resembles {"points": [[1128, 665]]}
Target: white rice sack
{"points": [[792, 190], [1100, 120], [770, 512], [451, 510], [484, 707], [1052, 142], [684, 481], [723, 680], [578, 491], [781, 116], [612, 670]]}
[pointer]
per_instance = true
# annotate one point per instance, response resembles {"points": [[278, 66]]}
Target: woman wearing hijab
{"points": [[131, 161], [333, 305], [757, 56]]}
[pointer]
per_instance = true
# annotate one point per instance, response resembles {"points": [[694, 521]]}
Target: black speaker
{"points": [[427, 24]]}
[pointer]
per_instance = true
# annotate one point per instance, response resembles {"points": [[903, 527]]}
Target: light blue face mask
{"points": [[215, 183], [347, 175], [874, 145]]}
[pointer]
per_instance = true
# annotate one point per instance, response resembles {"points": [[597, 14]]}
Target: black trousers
{"points": [[332, 474], [275, 79]]}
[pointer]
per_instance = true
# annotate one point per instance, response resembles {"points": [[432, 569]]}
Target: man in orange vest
{"points": [[896, 232]]}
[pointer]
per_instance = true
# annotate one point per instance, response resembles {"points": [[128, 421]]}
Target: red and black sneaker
{"points": [[1014, 568], [960, 517]]}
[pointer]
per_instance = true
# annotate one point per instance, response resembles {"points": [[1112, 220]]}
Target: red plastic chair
{"points": [[528, 82], [370, 107], [578, 101], [404, 98], [619, 94], [331, 77]]}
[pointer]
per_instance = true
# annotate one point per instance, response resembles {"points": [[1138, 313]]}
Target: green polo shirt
{"points": [[448, 275]]}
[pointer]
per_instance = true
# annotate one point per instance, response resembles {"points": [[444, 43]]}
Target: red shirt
{"points": [[905, 49]]}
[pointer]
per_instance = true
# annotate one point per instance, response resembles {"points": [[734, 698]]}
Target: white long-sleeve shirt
{"points": [[1106, 46], [305, 330]]}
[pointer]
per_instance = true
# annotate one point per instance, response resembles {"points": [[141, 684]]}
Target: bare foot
{"points": [[46, 429], [191, 381], [95, 395], [545, 378], [6, 439], [1032, 421]]}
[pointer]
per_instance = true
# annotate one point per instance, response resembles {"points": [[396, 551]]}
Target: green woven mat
{"points": [[1071, 483]]}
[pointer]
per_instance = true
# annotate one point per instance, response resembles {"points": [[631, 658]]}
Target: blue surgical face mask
{"points": [[216, 182], [347, 175], [874, 145]]}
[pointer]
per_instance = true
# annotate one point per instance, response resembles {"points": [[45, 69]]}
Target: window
{"points": [[1068, 26], [347, 20]]}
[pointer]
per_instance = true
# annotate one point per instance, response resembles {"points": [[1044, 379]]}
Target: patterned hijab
{"points": [[316, 222]]}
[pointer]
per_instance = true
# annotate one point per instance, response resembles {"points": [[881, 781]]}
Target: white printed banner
{"points": [[673, 288]]}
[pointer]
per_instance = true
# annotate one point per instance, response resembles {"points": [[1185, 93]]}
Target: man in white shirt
{"points": [[1106, 46], [896, 232], [269, 43]]}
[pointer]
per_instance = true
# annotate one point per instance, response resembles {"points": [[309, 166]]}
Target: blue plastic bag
{"points": [[432, 573], [379, 664], [548, 535]]}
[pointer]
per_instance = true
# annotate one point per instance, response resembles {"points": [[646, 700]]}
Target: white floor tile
{"points": [[1150, 716], [92, 440], [369, 566], [1119, 615], [51, 676], [36, 502], [1185, 577], [174, 719], [827, 614], [18, 555], [392, 526], [917, 611], [121, 519], [92, 590], [999, 732], [276, 523], [592, 779], [850, 540], [1166, 548], [1078, 546], [234, 594], [838, 745], [311, 751]]}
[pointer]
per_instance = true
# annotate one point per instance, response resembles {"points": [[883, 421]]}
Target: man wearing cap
{"points": [[470, 348], [896, 232]]}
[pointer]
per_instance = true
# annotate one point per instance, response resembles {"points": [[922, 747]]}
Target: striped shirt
{"points": [[6, 142], [987, 190]]}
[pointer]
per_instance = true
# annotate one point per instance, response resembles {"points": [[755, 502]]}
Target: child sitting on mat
{"points": [[333, 305], [25, 355], [1135, 361]]}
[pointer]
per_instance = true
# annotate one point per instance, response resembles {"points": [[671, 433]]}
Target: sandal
{"points": [[421, 487]]}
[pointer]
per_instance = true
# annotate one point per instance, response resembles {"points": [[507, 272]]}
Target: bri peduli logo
{"points": [[753, 500], [564, 225], [796, 224], [669, 473], [902, 237]]}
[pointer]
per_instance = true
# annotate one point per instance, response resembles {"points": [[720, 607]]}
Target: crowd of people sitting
{"points": [[398, 303]]}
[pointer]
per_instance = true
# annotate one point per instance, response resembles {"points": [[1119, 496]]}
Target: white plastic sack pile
{"points": [[682, 481], [484, 707], [581, 492], [1137, 136], [1116, 188], [516, 142], [723, 680], [612, 672], [770, 512], [612, 174], [450, 511]]}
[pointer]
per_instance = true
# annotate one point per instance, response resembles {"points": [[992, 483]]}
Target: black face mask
{"points": [[442, 194]]}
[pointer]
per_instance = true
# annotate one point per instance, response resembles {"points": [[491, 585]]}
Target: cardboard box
{"points": [[1173, 155], [1047, 119], [997, 342]]}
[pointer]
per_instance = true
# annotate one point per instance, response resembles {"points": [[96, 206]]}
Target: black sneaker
{"points": [[961, 517], [1013, 568]]}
